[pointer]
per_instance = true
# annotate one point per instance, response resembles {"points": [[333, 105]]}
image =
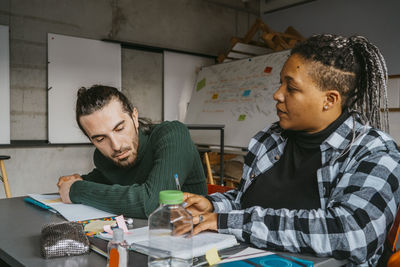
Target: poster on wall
{"points": [[238, 94]]}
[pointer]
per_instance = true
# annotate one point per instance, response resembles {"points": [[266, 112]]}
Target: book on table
{"points": [[139, 239]]}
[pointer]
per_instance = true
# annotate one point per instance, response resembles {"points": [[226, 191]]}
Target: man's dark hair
{"points": [[352, 66], [97, 97]]}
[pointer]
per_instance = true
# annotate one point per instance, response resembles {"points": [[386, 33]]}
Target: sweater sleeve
{"points": [[172, 153], [95, 176]]}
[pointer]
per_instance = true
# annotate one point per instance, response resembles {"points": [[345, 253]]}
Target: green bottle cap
{"points": [[171, 197]]}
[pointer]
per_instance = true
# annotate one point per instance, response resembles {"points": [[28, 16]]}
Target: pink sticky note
{"points": [[121, 223], [107, 228]]}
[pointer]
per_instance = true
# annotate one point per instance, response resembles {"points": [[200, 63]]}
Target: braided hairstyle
{"points": [[354, 67]]}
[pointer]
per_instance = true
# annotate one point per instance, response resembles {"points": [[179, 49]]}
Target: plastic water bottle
{"points": [[117, 250], [169, 228]]}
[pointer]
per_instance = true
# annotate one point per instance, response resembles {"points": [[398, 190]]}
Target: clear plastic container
{"points": [[170, 227], [117, 250]]}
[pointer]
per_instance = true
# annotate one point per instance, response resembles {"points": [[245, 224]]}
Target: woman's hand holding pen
{"points": [[201, 209]]}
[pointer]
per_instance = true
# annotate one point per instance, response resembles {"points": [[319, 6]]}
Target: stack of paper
{"points": [[201, 242]]}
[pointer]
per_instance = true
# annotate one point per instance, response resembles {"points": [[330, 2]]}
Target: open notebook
{"points": [[71, 212], [201, 242]]}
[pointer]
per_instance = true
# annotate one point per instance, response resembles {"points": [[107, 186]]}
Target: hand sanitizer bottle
{"points": [[117, 250]]}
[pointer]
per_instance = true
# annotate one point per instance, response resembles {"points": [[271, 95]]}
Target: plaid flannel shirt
{"points": [[358, 186]]}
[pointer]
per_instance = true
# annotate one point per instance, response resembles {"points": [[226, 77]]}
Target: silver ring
{"points": [[201, 219]]}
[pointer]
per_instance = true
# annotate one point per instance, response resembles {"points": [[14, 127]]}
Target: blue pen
{"points": [[178, 186]]}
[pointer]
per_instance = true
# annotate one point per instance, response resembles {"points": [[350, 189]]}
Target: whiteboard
{"points": [[72, 63], [238, 94], [4, 86], [180, 73]]}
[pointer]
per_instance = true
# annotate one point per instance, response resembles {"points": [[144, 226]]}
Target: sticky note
{"points": [[268, 69], [215, 96], [246, 93], [107, 228], [201, 84], [242, 117], [212, 256], [121, 223]]}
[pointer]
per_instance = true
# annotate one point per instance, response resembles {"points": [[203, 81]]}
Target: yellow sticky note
{"points": [[97, 226], [212, 256]]}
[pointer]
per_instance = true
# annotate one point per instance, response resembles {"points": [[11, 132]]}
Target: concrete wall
{"points": [[36, 170], [202, 26], [142, 81], [377, 20]]}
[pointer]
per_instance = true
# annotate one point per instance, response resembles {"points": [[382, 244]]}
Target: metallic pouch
{"points": [[63, 239]]}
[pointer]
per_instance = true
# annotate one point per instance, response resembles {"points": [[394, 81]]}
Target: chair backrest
{"points": [[394, 259], [215, 188], [394, 232], [210, 178]]}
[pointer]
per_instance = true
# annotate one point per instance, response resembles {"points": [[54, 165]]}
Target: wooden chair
{"points": [[210, 177], [3, 175], [211, 186], [216, 188], [391, 239]]}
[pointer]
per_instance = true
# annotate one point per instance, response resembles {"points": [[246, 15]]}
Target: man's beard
{"points": [[124, 163]]}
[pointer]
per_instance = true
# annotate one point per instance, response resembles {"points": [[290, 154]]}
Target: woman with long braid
{"points": [[325, 178]]}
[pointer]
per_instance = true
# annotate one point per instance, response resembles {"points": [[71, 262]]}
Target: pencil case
{"points": [[63, 239]]}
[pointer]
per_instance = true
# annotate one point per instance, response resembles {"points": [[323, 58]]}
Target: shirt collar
{"points": [[343, 135], [339, 139]]}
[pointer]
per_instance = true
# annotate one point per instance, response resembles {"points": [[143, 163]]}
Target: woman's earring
{"points": [[326, 107]]}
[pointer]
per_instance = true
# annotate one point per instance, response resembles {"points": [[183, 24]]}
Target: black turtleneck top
{"points": [[292, 182]]}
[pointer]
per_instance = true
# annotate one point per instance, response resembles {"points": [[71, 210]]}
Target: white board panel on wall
{"points": [[180, 72], [4, 86], [72, 63], [238, 94]]}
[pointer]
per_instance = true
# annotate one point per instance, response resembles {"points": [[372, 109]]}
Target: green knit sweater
{"points": [[133, 192]]}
